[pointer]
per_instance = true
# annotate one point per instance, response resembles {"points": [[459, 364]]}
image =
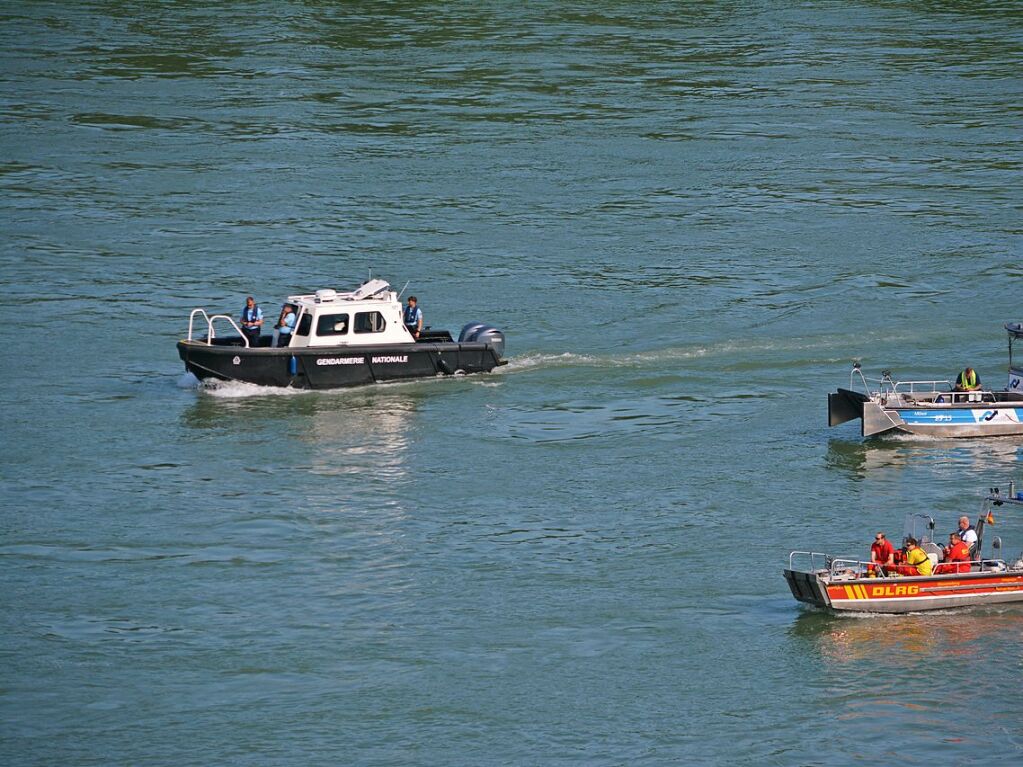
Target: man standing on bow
{"points": [[252, 321]]}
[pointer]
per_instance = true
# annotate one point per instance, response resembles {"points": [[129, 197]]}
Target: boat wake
{"points": [[241, 390], [537, 360], [188, 381]]}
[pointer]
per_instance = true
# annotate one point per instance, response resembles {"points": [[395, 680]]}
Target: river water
{"points": [[688, 220]]}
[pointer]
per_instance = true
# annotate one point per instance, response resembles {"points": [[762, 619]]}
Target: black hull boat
{"points": [[339, 340], [318, 368]]}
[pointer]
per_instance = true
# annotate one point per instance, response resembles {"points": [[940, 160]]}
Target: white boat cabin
{"points": [[369, 315]]}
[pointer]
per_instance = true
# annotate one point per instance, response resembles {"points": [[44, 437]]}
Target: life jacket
{"points": [[412, 315], [962, 533], [919, 559], [968, 380], [250, 315]]}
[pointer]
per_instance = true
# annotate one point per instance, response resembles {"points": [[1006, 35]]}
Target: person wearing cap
{"points": [[968, 380], [882, 554], [413, 317], [917, 561], [957, 556], [252, 321]]}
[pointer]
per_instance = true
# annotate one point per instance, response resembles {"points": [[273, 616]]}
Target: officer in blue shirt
{"points": [[252, 321], [286, 325], [413, 317]]}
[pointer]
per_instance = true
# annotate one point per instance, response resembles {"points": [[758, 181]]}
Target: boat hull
{"points": [[987, 420], [334, 367], [955, 421], [906, 594]]}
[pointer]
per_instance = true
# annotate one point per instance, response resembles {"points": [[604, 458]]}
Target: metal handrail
{"points": [[856, 369], [913, 384], [210, 332], [980, 396], [859, 566], [887, 385], [813, 555]]}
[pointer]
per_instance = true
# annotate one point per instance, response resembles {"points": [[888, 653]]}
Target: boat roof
{"points": [[1015, 329], [379, 290]]}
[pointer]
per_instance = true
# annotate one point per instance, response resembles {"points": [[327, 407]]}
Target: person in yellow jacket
{"points": [[968, 380], [916, 558]]}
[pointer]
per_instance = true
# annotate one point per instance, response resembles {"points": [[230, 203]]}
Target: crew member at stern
{"points": [[252, 321], [413, 317]]}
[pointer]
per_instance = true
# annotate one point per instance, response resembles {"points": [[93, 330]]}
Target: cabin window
{"points": [[332, 325], [369, 322], [304, 325]]}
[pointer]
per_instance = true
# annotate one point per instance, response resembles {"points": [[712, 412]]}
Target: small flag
{"points": [[990, 518]]}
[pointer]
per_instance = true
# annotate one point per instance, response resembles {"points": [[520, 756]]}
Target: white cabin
{"points": [[369, 315]]}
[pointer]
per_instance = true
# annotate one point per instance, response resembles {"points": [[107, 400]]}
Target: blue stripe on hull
{"points": [[950, 417]]}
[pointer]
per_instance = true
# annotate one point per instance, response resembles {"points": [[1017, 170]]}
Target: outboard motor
{"points": [[493, 337], [470, 330], [481, 333]]}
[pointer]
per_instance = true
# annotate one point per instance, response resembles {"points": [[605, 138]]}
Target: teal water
{"points": [[688, 219]]}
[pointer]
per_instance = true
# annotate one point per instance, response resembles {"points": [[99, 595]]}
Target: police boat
{"points": [[931, 407], [848, 584], [339, 339]]}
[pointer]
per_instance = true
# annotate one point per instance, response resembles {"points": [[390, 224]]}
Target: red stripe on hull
{"points": [[868, 594]]}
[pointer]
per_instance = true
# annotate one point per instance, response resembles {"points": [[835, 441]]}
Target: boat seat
{"points": [[933, 552]]}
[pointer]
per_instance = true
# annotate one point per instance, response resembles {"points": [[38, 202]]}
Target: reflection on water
{"points": [[906, 640], [339, 432], [370, 435], [862, 457], [905, 673]]}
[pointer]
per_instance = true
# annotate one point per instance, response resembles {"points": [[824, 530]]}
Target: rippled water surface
{"points": [[688, 219]]}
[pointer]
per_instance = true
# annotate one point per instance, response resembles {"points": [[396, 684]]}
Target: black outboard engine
{"points": [[481, 333]]}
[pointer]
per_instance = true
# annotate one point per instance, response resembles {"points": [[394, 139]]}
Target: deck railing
{"points": [[887, 386], [839, 568], [210, 332]]}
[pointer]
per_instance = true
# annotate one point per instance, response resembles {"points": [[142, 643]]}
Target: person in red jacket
{"points": [[957, 556], [882, 554]]}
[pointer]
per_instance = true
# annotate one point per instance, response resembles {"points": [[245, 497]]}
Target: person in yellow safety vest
{"points": [[917, 559], [968, 380]]}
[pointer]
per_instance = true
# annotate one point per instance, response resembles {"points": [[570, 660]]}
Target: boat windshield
{"points": [[920, 527]]}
